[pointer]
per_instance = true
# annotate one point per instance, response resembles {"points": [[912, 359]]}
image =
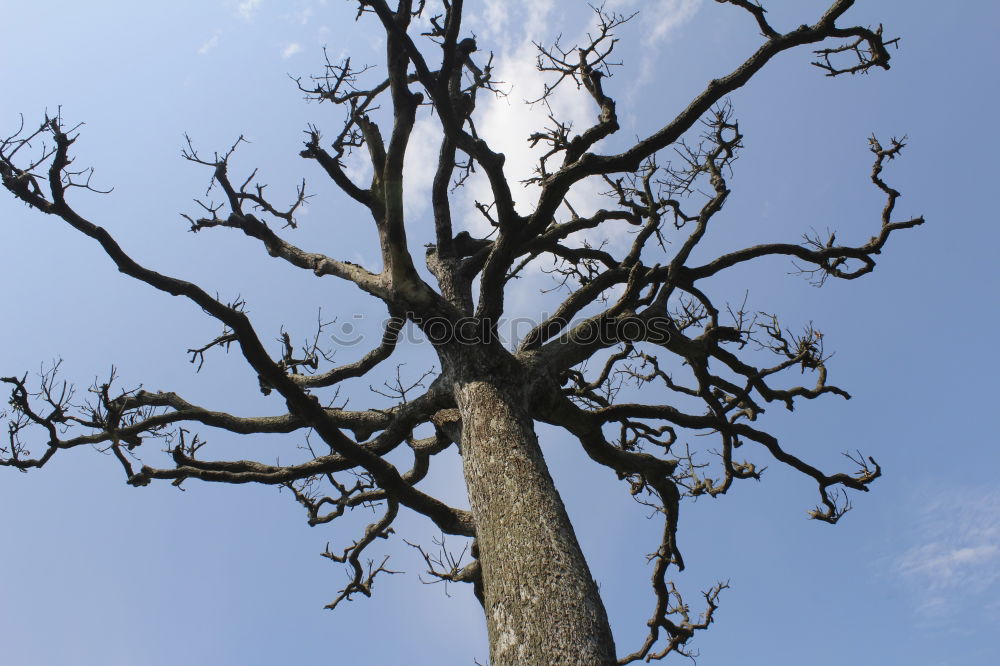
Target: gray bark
{"points": [[542, 605]]}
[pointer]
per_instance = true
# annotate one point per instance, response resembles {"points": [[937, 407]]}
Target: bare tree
{"points": [[635, 316]]}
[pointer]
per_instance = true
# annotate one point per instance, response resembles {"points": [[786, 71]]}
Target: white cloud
{"points": [[421, 163], [303, 16], [507, 122], [489, 23], [210, 44], [291, 49], [659, 19], [496, 14], [509, 29], [247, 8], [537, 22], [942, 565], [958, 558], [358, 167], [662, 19]]}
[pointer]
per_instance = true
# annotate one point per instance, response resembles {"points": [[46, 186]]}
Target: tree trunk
{"points": [[542, 606]]}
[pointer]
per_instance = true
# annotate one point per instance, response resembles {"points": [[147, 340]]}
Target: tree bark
{"points": [[542, 605]]}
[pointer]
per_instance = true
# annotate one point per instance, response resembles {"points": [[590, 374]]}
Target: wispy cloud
{"points": [[303, 16], [660, 20], [425, 142], [943, 565], [291, 49], [509, 28], [664, 17], [514, 26], [490, 22], [210, 44], [958, 560], [247, 8], [506, 122]]}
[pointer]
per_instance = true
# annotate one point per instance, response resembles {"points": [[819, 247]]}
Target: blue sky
{"points": [[96, 572]]}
